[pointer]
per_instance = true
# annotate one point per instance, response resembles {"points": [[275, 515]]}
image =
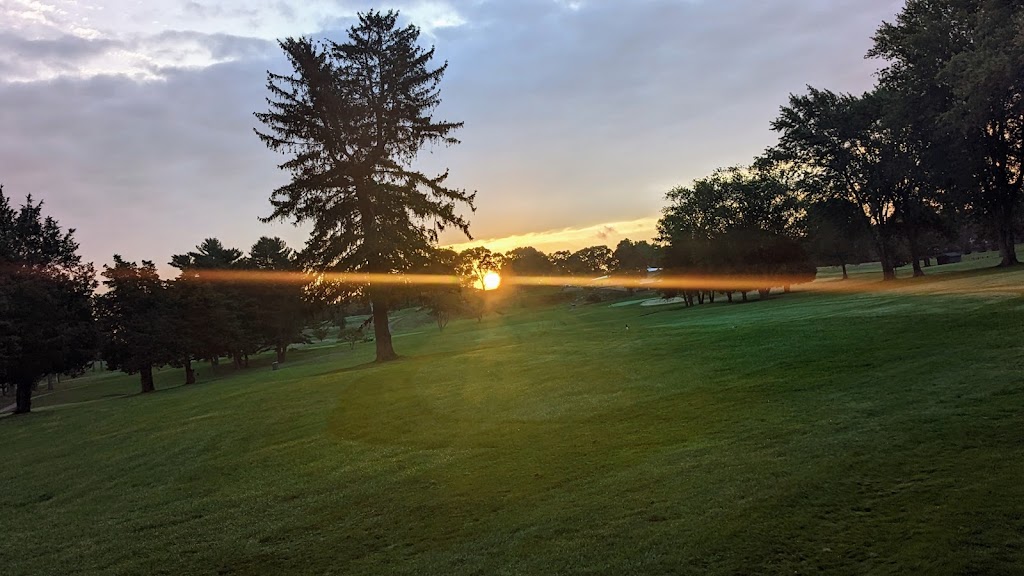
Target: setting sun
{"points": [[491, 281]]}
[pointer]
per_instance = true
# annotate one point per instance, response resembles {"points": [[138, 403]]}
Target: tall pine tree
{"points": [[352, 118]]}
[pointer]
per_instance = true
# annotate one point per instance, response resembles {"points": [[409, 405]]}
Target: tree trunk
{"points": [[281, 351], [23, 397], [888, 268], [915, 256], [1007, 242], [146, 376], [787, 289], [744, 294], [382, 333], [49, 381], [884, 252], [729, 296], [846, 276], [711, 297], [190, 374], [763, 293]]}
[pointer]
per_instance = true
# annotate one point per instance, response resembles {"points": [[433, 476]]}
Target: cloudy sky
{"points": [[133, 120]]}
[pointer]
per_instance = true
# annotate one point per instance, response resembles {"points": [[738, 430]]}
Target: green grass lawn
{"points": [[876, 432]]}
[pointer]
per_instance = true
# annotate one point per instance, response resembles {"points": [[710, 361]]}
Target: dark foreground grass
{"points": [[870, 433]]}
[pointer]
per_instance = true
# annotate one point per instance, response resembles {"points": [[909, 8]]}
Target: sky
{"points": [[132, 119]]}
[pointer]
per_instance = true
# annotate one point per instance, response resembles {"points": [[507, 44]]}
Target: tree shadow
{"points": [[357, 367]]}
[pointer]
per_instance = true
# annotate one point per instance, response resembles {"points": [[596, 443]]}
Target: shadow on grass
{"points": [[356, 368]]}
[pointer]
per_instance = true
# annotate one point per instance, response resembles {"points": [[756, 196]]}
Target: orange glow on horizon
{"points": [[606, 233]]}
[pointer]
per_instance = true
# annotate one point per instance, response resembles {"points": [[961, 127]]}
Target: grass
{"points": [[815, 433]]}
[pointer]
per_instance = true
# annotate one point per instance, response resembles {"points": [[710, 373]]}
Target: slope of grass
{"points": [[840, 434]]}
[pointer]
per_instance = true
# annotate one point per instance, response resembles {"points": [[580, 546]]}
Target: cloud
{"points": [[606, 232], [431, 16], [27, 60], [144, 169], [133, 119]]}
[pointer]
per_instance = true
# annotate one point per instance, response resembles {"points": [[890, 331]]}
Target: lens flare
{"points": [[935, 285]]}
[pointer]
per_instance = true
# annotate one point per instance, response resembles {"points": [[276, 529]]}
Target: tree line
{"points": [[928, 160], [54, 321]]}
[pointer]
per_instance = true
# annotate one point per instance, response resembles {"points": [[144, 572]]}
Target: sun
{"points": [[492, 280]]}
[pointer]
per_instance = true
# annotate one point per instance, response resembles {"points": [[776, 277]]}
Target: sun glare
{"points": [[492, 280]]}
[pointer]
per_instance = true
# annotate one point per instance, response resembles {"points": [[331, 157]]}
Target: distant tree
{"points": [[473, 265], [350, 335], [560, 262], [445, 304], [528, 261], [220, 306], [135, 318], [591, 261], [838, 233], [634, 258], [271, 254], [741, 222], [281, 311], [352, 118], [442, 301], [320, 333], [211, 254], [690, 233], [184, 298], [46, 320]]}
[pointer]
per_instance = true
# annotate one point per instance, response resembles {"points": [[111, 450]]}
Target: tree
{"points": [[215, 308], [186, 300], [634, 258], [211, 254], [741, 222], [960, 65], [271, 254], [474, 264], [690, 232], [842, 140], [46, 319], [590, 261], [560, 262], [838, 233], [528, 261], [442, 301], [135, 318], [352, 118], [280, 311]]}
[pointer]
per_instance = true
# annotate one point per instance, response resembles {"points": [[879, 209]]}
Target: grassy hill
{"points": [[875, 432]]}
